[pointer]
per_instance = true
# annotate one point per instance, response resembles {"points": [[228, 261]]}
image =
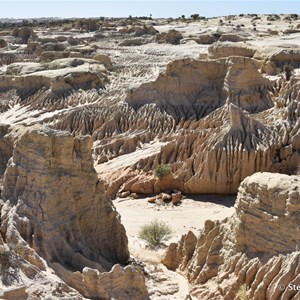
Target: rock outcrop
{"points": [[257, 247], [220, 121], [192, 89], [171, 37], [55, 210], [226, 49], [58, 78], [217, 120], [139, 31], [6, 148], [214, 154], [280, 55]]}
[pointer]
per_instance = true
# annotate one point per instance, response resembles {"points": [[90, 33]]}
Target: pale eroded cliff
{"points": [[258, 246], [56, 211]]}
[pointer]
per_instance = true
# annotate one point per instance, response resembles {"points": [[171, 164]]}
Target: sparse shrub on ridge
{"points": [[195, 17], [162, 171], [155, 232], [23, 34], [288, 71]]}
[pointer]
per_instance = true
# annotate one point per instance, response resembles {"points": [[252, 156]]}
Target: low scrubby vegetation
{"points": [[162, 171], [288, 71], [23, 34], [155, 232], [242, 292]]}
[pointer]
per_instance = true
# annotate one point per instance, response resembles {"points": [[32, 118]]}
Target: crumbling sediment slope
{"points": [[219, 103], [56, 216], [248, 126], [217, 100], [257, 247]]}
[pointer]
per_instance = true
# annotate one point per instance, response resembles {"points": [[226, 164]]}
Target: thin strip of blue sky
{"points": [[166, 8]]}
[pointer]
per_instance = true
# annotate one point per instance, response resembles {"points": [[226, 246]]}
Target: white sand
{"points": [[163, 284]]}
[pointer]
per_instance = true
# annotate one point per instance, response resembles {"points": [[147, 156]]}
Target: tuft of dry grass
{"points": [[155, 232], [242, 292]]}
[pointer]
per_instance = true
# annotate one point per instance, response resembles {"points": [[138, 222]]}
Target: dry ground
{"points": [[190, 215]]}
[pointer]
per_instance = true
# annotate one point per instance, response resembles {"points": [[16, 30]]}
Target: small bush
{"points": [[23, 34], [45, 65], [162, 171], [242, 292], [155, 232], [288, 70], [195, 17]]}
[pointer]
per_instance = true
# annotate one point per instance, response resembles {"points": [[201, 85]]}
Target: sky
{"points": [[158, 9]]}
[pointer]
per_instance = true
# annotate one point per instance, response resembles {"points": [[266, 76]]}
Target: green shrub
{"points": [[45, 64], [195, 17], [155, 232], [162, 171], [19, 250]]}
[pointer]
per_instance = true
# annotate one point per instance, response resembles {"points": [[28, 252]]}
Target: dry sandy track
{"points": [[163, 284]]}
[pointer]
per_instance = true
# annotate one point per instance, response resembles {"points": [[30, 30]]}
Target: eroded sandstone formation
{"points": [[217, 121], [56, 215], [56, 78], [258, 246], [6, 148], [237, 138], [215, 114]]}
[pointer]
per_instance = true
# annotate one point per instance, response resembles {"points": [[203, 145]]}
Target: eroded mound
{"points": [[246, 130], [214, 120], [153, 96], [57, 78], [55, 215], [258, 246]]}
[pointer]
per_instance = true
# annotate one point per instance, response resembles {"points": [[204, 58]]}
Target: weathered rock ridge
{"points": [[215, 114], [237, 138], [217, 107], [57, 78], [258, 246], [192, 89], [54, 208]]}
